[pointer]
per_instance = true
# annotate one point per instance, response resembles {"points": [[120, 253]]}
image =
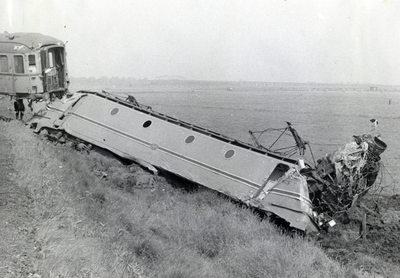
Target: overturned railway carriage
{"points": [[32, 66], [258, 177], [305, 197]]}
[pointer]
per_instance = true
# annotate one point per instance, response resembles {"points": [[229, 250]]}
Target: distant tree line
{"points": [[232, 85], [104, 80]]}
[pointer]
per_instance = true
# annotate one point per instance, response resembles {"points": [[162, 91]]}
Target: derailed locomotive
{"points": [[306, 197]]}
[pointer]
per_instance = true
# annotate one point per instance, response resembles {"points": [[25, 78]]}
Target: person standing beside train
{"points": [[19, 108]]}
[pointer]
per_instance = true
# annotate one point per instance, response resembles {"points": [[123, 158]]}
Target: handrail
{"points": [[213, 134]]}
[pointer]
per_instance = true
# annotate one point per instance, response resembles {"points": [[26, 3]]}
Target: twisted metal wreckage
{"points": [[307, 198]]}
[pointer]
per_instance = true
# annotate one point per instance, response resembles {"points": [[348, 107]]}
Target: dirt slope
{"points": [[379, 253]]}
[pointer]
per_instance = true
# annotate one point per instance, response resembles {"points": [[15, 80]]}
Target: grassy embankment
{"points": [[96, 217]]}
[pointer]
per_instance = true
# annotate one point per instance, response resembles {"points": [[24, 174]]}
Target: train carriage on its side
{"points": [[32, 66]]}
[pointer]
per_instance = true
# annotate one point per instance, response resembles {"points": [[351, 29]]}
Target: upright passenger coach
{"points": [[32, 66]]}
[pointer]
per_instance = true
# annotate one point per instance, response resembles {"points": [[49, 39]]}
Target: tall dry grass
{"points": [[97, 217]]}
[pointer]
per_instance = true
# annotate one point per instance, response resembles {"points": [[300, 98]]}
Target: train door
{"points": [[53, 63], [21, 76], [6, 78]]}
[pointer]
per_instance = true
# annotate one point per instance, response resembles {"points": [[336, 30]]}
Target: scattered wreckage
{"points": [[344, 176], [307, 198]]}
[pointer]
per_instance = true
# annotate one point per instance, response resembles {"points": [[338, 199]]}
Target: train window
{"points": [[147, 123], [32, 63], [229, 154], [3, 63], [189, 139], [51, 61], [19, 64], [114, 111]]}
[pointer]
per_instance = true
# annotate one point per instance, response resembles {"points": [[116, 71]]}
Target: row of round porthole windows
{"points": [[188, 140]]}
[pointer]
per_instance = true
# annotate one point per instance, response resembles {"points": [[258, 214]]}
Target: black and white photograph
{"points": [[199, 138]]}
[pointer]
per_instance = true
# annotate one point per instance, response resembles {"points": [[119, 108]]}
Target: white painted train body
{"points": [[252, 175]]}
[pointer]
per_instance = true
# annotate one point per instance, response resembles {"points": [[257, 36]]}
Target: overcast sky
{"points": [[255, 40]]}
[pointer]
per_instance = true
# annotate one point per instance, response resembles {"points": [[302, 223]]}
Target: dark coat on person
{"points": [[19, 105]]}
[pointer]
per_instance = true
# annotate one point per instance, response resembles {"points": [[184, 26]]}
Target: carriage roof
{"points": [[26, 41]]}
